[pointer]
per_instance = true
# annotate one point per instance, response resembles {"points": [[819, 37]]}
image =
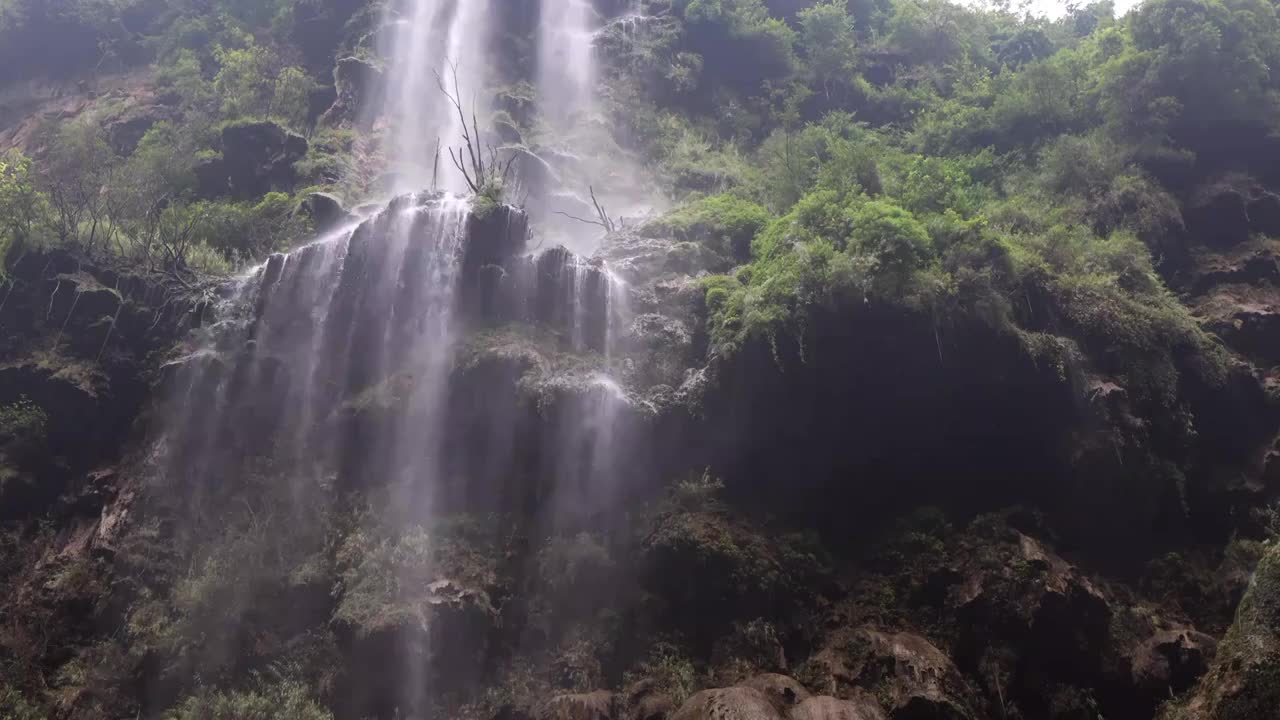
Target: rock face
{"points": [[1244, 682], [825, 707], [74, 352], [911, 675], [356, 81], [778, 697], [258, 157], [734, 703]]}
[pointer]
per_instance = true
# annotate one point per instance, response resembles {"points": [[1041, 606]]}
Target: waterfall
{"points": [[365, 312], [431, 41], [337, 365], [566, 60]]}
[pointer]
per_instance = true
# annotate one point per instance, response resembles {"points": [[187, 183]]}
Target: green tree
{"points": [[21, 205], [827, 38]]}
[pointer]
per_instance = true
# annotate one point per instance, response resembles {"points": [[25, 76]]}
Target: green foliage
{"points": [[827, 37], [709, 562], [21, 205], [725, 223], [283, 699], [251, 82], [389, 580], [672, 672], [22, 423], [1193, 68], [741, 45], [890, 237]]}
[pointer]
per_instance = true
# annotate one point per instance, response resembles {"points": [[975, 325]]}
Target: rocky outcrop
{"points": [[778, 697], [825, 707], [1244, 682], [356, 80], [77, 343], [733, 703], [1227, 210], [257, 158], [910, 675]]}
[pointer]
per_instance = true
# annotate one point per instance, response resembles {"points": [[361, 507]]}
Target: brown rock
{"points": [[783, 691], [734, 703], [825, 707], [914, 677], [645, 700]]}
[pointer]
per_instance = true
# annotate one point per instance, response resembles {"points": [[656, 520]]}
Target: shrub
{"points": [[725, 223], [891, 237], [386, 580], [267, 702]]}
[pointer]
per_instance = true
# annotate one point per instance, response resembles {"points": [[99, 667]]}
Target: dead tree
{"points": [[479, 176], [602, 217]]}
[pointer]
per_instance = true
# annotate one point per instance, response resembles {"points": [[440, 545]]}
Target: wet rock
{"points": [[259, 157], [645, 700], [913, 677], [733, 703], [783, 691], [824, 707], [640, 258]]}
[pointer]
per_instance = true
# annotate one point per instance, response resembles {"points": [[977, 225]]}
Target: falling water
{"points": [[566, 59], [337, 360], [433, 43]]}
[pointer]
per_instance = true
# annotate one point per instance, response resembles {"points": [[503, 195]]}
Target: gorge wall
{"points": [[455, 420]]}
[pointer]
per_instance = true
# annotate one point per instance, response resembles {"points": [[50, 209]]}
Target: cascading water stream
{"points": [[434, 43], [337, 361], [567, 60]]}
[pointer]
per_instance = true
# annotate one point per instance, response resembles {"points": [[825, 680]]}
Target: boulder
{"points": [[324, 209], [1171, 660], [913, 677], [355, 81], [733, 703], [1016, 591], [824, 707], [644, 700], [783, 691], [126, 131], [259, 157]]}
